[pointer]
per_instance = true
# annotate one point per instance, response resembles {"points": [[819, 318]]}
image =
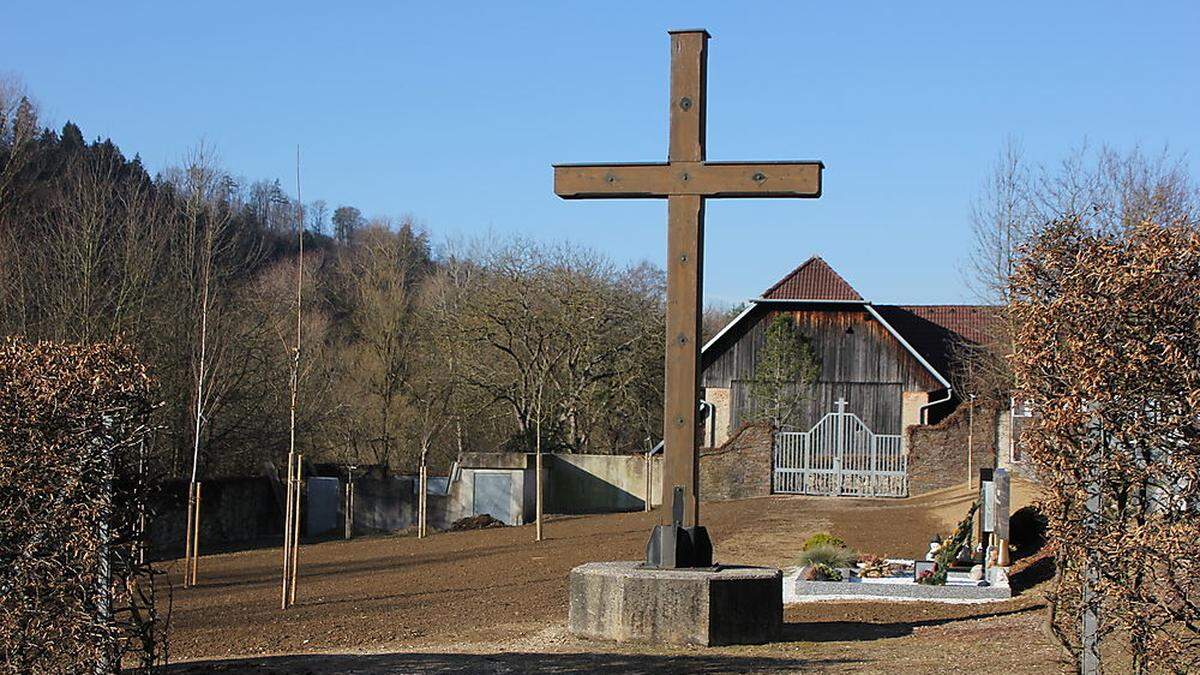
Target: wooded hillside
{"points": [[404, 347]]}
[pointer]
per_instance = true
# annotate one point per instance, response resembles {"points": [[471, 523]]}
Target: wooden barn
{"points": [[882, 369]]}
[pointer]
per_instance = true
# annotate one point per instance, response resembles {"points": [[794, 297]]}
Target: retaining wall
{"points": [[937, 453], [599, 483], [232, 511], [741, 467]]}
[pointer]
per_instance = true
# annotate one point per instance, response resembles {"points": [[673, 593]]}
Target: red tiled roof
{"points": [[935, 331], [973, 322], [813, 280]]}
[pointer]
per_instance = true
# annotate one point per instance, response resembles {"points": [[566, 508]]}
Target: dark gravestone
{"points": [[1000, 480]]}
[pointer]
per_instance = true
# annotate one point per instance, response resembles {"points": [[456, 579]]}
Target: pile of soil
{"points": [[482, 521]]}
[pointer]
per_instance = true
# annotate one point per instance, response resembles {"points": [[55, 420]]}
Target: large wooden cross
{"points": [[685, 181]]}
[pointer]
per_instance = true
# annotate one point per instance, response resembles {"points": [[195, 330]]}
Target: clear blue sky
{"points": [[454, 112]]}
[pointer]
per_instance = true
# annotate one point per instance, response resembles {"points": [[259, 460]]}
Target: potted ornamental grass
{"points": [[826, 558]]}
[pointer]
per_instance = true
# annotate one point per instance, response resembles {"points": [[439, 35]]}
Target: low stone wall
{"points": [[232, 511], [384, 504], [599, 483], [741, 467], [937, 453]]}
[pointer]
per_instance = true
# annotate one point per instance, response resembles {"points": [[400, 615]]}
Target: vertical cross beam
{"points": [[685, 275]]}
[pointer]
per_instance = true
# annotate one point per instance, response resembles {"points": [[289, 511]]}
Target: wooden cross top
{"points": [[685, 180]]}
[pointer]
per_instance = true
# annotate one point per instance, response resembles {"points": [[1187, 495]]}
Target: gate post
{"points": [[874, 455], [839, 440]]}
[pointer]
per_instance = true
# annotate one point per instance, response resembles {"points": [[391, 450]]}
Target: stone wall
{"points": [[740, 468], [579, 483], [937, 453], [232, 511]]}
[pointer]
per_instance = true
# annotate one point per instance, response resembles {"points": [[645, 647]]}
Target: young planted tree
{"points": [[783, 377], [433, 379], [206, 219]]}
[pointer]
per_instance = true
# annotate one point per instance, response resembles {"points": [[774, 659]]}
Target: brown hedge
{"points": [[74, 595], [1108, 345]]}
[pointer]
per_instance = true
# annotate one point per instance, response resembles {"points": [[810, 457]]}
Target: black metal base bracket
{"points": [[673, 546]]}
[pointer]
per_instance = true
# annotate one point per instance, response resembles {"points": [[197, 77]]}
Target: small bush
{"points": [[831, 556], [823, 539]]}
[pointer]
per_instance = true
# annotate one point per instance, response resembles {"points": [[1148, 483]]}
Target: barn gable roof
{"points": [[814, 279], [976, 323], [928, 332]]}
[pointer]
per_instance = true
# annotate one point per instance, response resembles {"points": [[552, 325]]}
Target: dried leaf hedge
{"points": [[1108, 344], [74, 593]]}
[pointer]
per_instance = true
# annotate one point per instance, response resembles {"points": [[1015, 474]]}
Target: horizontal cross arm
{"points": [[705, 179]]}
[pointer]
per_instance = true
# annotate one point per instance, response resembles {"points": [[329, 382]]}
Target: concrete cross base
{"points": [[625, 601]]}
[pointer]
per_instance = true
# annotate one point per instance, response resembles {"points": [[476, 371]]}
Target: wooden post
{"points": [[421, 491], [296, 529], [649, 479], [287, 532], [970, 440], [196, 536], [348, 508], [538, 479], [187, 535], [538, 466], [685, 276], [685, 264]]}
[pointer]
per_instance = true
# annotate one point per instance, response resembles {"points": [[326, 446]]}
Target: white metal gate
{"points": [[840, 455]]}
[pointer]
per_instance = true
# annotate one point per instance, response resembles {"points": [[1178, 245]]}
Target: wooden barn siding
{"points": [[867, 366], [878, 405]]}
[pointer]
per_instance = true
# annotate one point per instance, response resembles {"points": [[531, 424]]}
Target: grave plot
{"points": [[953, 571], [959, 587]]}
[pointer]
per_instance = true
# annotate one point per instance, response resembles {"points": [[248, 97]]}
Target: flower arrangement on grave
{"points": [[874, 567], [949, 551], [821, 572]]}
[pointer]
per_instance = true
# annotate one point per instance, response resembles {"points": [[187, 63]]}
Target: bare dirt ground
{"points": [[494, 601]]}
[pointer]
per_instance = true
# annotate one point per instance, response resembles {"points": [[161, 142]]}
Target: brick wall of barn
{"points": [[937, 453], [739, 468]]}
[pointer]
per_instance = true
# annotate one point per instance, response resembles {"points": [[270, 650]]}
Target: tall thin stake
{"points": [[649, 472], [538, 469], [187, 535], [296, 532], [291, 528], [349, 507], [970, 441], [287, 533], [196, 535], [421, 501]]}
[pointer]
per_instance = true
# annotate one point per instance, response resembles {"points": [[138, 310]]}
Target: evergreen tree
{"points": [[72, 138], [346, 219], [783, 377]]}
